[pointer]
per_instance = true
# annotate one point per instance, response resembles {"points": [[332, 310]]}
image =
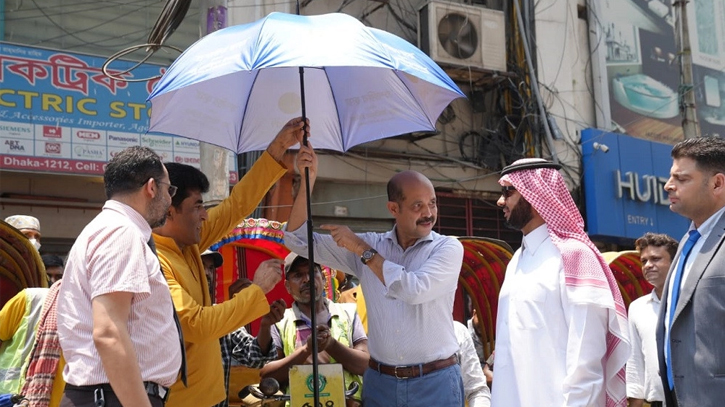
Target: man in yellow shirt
{"points": [[189, 230], [20, 319]]}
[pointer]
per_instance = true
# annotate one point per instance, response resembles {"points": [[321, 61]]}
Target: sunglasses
{"points": [[507, 191]]}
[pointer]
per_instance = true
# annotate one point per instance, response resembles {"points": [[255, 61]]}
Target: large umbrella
{"points": [[238, 86]]}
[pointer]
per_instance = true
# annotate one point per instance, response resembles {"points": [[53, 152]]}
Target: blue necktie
{"points": [[691, 240]]}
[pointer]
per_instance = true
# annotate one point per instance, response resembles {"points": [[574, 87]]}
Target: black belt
{"points": [[152, 389], [405, 372], [655, 403]]}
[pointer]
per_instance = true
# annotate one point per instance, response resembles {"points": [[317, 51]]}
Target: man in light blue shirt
{"points": [[409, 276]]}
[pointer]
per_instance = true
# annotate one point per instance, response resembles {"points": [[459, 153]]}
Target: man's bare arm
{"points": [[113, 342], [306, 158]]}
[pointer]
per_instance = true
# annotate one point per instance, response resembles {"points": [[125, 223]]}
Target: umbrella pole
{"points": [[310, 255]]}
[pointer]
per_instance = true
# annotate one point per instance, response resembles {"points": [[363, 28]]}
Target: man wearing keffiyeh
{"points": [[561, 326]]}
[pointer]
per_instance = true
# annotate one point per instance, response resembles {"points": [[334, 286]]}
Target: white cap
{"points": [[23, 222], [218, 259]]}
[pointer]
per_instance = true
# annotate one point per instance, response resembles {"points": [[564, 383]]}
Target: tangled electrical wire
{"points": [[168, 21]]}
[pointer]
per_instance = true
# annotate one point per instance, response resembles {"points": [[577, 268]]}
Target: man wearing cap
{"points": [[28, 226], [409, 277], [19, 317], [29, 311], [189, 230], [341, 337], [561, 329]]}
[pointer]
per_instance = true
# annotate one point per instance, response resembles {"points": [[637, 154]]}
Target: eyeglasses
{"points": [[172, 189], [507, 191]]}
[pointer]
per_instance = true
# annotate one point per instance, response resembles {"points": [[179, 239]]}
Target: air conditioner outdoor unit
{"points": [[463, 35]]}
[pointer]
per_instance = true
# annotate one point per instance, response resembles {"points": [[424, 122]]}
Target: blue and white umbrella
{"points": [[238, 86]]}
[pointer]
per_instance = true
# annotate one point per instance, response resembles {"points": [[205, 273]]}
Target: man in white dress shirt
{"points": [[561, 330], [409, 277], [115, 316], [643, 380]]}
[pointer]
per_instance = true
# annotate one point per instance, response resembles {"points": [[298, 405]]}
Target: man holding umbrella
{"points": [[189, 230], [409, 277]]}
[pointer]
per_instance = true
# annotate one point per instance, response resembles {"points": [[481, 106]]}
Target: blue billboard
{"points": [[624, 180]]}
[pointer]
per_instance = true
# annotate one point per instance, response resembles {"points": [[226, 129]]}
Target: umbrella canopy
{"points": [[238, 86]]}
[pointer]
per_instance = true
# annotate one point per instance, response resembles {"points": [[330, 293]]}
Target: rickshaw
{"points": [[20, 264]]}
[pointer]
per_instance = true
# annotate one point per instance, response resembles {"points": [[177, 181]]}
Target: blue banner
{"points": [[624, 179]]}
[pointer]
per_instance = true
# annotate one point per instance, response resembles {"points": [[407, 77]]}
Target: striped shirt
{"points": [[111, 255]]}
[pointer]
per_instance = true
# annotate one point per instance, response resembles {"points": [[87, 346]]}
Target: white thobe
{"points": [[643, 378], [549, 350]]}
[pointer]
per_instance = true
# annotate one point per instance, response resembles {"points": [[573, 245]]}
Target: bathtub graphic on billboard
{"points": [[646, 96], [643, 70]]}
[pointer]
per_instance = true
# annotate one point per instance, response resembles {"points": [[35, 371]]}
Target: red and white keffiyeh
{"points": [[588, 278]]}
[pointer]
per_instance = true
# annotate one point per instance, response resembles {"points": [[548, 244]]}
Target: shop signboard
{"points": [[624, 179], [59, 113]]}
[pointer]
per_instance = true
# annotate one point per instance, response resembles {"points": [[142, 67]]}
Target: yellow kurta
{"points": [[202, 323]]}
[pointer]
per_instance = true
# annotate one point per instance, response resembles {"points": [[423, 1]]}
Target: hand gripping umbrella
{"points": [[238, 86]]}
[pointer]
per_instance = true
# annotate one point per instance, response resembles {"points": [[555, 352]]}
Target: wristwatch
{"points": [[368, 255]]}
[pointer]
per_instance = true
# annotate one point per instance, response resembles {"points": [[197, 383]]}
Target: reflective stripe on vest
{"points": [[15, 354], [340, 329]]}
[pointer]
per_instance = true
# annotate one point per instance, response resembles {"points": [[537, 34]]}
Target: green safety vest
{"points": [[342, 317], [15, 353]]}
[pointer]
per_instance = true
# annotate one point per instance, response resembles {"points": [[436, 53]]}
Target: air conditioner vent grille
{"points": [[463, 35], [458, 35]]}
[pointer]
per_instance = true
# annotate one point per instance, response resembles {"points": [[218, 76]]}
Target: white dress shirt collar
{"points": [[707, 225], [533, 240]]}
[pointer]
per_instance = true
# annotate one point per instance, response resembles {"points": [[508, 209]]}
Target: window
{"points": [[461, 216]]}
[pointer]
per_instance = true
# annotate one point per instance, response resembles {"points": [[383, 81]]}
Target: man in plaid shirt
{"points": [[240, 347]]}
